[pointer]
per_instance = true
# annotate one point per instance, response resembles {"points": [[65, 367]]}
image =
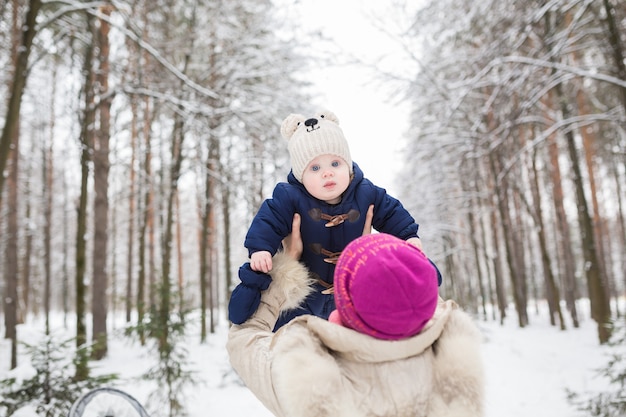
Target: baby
{"points": [[332, 196]]}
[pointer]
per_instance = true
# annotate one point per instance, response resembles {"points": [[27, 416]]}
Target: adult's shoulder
{"points": [[462, 324], [459, 363]]}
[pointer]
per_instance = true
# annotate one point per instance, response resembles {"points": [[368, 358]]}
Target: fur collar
{"points": [[290, 279]]}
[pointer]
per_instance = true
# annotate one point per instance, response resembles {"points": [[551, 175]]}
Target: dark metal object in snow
{"points": [[107, 402]]}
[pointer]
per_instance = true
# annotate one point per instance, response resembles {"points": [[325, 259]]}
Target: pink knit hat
{"points": [[384, 287]]}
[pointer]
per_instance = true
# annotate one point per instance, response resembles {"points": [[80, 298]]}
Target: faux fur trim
{"points": [[304, 374], [290, 280], [459, 370]]}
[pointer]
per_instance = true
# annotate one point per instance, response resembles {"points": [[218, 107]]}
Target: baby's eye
{"points": [[315, 167], [335, 164]]}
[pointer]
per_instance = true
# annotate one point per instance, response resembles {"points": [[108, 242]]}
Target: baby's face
{"points": [[326, 178]]}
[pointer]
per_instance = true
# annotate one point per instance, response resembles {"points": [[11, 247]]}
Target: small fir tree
{"points": [[53, 388], [612, 402], [171, 372]]}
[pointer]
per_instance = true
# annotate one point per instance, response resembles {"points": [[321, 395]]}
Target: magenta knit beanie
{"points": [[384, 287]]}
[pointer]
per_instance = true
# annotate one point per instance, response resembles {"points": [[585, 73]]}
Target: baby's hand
{"points": [[261, 261], [415, 241]]}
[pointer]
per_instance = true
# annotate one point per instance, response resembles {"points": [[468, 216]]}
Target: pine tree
{"points": [[612, 402], [53, 387]]}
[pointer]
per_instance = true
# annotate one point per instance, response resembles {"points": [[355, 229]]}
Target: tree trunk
{"points": [[500, 194], [206, 235], [11, 257], [179, 257], [150, 212], [48, 174], [131, 212], [215, 167], [552, 290], [178, 136], [620, 225], [204, 261], [518, 243], [65, 278], [495, 258], [600, 308], [226, 209], [146, 224], [473, 224], [9, 146], [27, 198], [564, 243], [616, 46], [101, 165], [562, 224], [86, 141], [12, 118], [494, 299], [589, 138]]}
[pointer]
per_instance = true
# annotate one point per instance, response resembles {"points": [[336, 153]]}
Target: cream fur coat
{"points": [[314, 368]]}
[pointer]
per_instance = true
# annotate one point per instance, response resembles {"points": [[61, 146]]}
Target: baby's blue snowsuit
{"points": [[322, 240]]}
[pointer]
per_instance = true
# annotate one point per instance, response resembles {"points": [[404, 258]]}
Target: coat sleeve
{"points": [[272, 222], [246, 296], [249, 345], [391, 217]]}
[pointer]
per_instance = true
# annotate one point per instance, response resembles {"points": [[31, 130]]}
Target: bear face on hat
{"points": [[310, 137]]}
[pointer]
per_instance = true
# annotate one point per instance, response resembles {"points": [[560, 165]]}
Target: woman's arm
{"points": [[250, 344]]}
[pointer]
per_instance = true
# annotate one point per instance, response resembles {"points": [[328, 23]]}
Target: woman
{"points": [[391, 348]]}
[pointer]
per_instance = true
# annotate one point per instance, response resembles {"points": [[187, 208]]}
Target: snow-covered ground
{"points": [[528, 370]]}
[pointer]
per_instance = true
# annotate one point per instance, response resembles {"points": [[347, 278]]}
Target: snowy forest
{"points": [[140, 137]]}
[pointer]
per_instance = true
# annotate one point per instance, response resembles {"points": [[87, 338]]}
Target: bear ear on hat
{"points": [[328, 115], [290, 125]]}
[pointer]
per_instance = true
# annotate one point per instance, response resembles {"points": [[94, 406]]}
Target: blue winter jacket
{"points": [[326, 230]]}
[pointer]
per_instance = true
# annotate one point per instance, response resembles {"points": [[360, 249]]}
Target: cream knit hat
{"points": [[309, 138]]}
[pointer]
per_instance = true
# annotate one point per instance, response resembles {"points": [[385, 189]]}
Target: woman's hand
{"points": [[367, 229], [292, 244], [415, 241]]}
